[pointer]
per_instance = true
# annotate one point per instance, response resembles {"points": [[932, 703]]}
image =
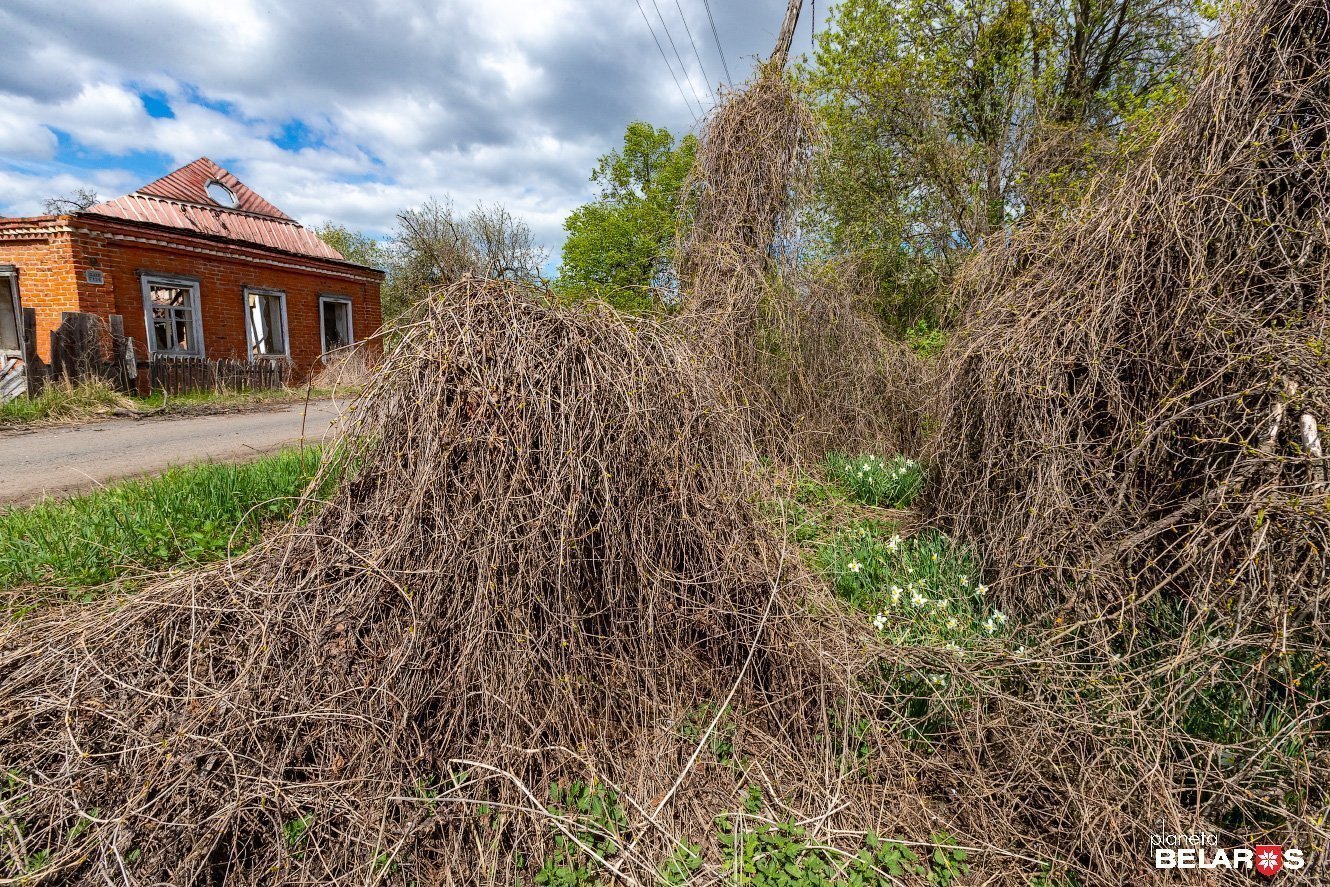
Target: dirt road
{"points": [[80, 457]]}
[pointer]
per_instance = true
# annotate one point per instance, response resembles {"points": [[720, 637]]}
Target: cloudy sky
{"points": [[350, 111]]}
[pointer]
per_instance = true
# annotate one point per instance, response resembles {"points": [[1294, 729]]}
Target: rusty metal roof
{"points": [[180, 200]]}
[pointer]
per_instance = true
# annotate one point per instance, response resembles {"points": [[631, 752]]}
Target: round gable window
{"points": [[221, 195]]}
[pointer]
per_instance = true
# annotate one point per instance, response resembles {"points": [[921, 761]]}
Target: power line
{"points": [[682, 67], [715, 35], [666, 60], [689, 32]]}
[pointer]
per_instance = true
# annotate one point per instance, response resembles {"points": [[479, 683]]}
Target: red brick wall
{"points": [[52, 279], [45, 273]]}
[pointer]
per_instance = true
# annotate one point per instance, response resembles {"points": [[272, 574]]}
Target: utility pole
{"points": [[786, 37]]}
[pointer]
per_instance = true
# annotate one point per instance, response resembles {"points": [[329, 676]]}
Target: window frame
{"points": [[350, 321], [10, 274], [146, 280], [249, 323]]}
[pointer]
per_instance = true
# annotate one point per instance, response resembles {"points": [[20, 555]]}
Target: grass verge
{"points": [[88, 401], [185, 516], [65, 403]]}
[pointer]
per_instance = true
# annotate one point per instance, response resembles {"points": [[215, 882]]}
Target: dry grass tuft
{"points": [[348, 370]]}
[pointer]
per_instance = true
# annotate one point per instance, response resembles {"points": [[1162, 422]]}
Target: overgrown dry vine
{"points": [[548, 558], [1128, 430]]}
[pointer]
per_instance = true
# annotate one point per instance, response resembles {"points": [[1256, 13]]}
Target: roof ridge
{"points": [[177, 199], [190, 182]]}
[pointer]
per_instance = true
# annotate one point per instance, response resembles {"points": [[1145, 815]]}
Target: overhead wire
{"points": [[715, 35], [682, 66], [689, 31], [666, 60]]}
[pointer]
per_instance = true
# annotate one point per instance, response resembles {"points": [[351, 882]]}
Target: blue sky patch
{"points": [[156, 105]]}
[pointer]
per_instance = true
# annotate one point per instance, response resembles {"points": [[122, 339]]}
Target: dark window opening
{"points": [[336, 323]]}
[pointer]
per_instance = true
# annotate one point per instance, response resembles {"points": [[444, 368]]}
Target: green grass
{"points": [[763, 851], [924, 589], [919, 589], [894, 483], [188, 515], [95, 399], [204, 401]]}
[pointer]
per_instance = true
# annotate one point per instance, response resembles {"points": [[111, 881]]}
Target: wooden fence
{"points": [[86, 346], [78, 352], [180, 375]]}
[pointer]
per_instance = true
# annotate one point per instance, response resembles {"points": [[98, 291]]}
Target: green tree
{"points": [[361, 248], [355, 246], [947, 120], [620, 245]]}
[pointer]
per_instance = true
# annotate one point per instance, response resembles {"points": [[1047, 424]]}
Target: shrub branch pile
{"points": [[1129, 426], [544, 565], [810, 363], [545, 555]]}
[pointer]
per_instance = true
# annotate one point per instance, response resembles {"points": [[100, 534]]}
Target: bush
{"points": [[925, 340]]}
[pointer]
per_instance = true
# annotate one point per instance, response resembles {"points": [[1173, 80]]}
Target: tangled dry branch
{"points": [[1128, 430], [811, 365]]}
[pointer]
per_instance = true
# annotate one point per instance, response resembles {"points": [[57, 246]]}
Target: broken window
{"points": [[265, 318], [335, 321], [172, 306], [9, 316]]}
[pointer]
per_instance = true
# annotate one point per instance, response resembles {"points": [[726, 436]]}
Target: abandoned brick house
{"points": [[195, 264]]}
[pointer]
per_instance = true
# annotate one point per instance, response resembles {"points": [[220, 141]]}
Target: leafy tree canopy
{"points": [[355, 246], [945, 120], [620, 245]]}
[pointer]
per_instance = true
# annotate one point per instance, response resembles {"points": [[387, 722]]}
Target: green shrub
{"points": [[782, 855], [593, 814], [925, 340]]}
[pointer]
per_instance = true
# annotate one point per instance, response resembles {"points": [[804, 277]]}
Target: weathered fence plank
{"points": [[180, 375], [35, 367]]}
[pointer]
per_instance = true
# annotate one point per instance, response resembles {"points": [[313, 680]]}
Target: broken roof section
{"points": [[190, 199]]}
